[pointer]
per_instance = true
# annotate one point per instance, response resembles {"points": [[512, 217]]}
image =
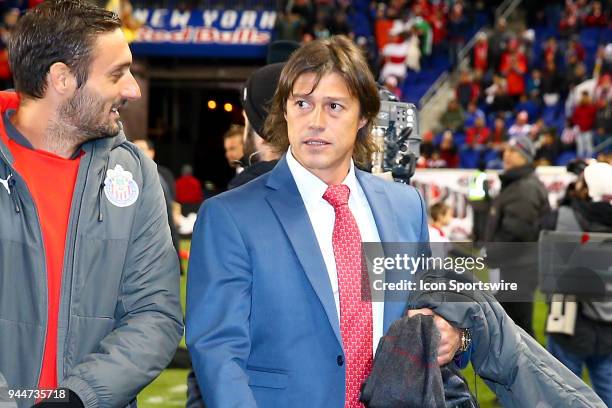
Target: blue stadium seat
{"points": [[549, 114], [560, 124], [468, 158], [565, 158], [437, 139], [459, 139], [490, 155]]}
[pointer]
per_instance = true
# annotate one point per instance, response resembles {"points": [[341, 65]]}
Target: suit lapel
{"points": [[386, 224], [288, 206]]}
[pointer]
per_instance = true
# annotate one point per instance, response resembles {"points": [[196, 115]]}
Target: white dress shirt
{"points": [[322, 217]]}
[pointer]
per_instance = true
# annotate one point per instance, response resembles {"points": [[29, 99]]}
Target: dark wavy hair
{"points": [[340, 55]]}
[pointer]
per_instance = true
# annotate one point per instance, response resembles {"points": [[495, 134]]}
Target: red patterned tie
{"points": [[355, 313]]}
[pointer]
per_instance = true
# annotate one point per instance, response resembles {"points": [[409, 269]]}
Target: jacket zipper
{"points": [[70, 252], [13, 193], [45, 294]]}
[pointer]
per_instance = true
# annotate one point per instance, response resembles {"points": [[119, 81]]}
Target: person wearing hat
{"points": [[515, 216], [256, 96], [589, 210]]}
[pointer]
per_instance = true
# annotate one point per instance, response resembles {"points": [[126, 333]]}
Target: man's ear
{"points": [[61, 79], [362, 123]]}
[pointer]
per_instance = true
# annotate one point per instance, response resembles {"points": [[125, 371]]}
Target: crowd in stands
{"points": [[552, 82], [305, 20], [418, 40], [409, 33], [400, 37]]}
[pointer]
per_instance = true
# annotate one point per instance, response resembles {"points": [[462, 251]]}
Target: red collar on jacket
{"points": [[8, 100]]}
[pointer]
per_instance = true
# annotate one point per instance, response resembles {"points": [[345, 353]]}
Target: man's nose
{"points": [[131, 90], [318, 118]]}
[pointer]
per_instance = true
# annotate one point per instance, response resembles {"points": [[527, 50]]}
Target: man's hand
{"points": [[450, 337]]}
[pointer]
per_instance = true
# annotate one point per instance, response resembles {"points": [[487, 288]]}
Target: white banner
{"points": [[451, 186]]}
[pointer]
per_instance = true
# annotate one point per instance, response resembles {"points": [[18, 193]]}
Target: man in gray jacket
{"points": [[89, 280], [514, 220]]}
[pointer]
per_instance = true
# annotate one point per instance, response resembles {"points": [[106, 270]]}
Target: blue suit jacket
{"points": [[262, 327]]}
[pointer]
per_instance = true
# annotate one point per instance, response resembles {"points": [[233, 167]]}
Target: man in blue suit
{"points": [[273, 315]]}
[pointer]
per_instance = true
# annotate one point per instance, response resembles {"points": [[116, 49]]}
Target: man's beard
{"points": [[83, 117]]}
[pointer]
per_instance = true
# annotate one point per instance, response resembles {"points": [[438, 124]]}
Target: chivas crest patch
{"points": [[120, 188]]}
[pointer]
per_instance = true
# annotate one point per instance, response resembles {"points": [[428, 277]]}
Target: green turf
{"points": [[169, 389]]}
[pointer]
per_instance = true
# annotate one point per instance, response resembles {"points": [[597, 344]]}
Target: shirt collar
{"points": [[13, 133], [310, 186]]}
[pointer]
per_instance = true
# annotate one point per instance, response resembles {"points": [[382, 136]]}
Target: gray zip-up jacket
{"points": [[120, 318]]}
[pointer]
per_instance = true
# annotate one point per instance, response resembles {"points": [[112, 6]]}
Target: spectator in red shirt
{"points": [[188, 188], [448, 151], [478, 134], [596, 17], [422, 8], [551, 51], [574, 47], [437, 20], [569, 23], [382, 26], [584, 116], [426, 150], [498, 134], [480, 57], [514, 66], [467, 91], [584, 113]]}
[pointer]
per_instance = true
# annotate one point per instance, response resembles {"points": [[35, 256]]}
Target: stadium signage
{"points": [[205, 33]]}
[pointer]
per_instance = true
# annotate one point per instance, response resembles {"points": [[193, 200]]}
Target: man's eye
{"points": [[302, 103], [335, 106]]}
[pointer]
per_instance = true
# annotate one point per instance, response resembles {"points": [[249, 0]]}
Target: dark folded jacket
{"points": [[406, 373]]}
